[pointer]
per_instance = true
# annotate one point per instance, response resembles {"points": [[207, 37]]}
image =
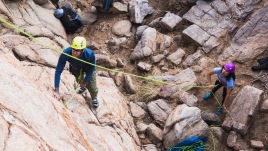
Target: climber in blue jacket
{"points": [[78, 68]]}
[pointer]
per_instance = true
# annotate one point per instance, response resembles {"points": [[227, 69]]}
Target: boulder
{"points": [[250, 40], [170, 20], [182, 123], [159, 110], [138, 9], [122, 27], [242, 109]]}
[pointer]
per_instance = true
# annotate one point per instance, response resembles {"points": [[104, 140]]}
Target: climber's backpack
{"points": [[70, 20], [191, 144]]}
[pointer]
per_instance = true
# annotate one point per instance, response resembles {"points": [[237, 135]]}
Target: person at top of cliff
{"points": [[69, 19], [226, 78]]}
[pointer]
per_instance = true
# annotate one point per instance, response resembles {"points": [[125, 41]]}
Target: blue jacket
{"points": [[87, 55]]}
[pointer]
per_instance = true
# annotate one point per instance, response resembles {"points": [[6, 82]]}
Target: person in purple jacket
{"points": [[226, 78], [78, 68]]}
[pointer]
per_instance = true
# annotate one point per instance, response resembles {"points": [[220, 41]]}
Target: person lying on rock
{"points": [[263, 65], [69, 19], [226, 78], [78, 68]]}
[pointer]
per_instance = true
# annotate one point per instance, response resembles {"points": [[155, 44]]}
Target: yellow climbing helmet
{"points": [[79, 43]]}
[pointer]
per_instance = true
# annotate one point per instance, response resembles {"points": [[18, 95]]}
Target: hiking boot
{"points": [[219, 111], [95, 103], [207, 96], [81, 90], [263, 61], [259, 68]]}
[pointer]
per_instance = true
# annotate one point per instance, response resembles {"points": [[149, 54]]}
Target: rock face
{"points": [[209, 26], [29, 112], [250, 40], [46, 123], [182, 123], [242, 109]]}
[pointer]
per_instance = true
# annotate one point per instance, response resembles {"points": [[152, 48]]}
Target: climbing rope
{"points": [[98, 66]]}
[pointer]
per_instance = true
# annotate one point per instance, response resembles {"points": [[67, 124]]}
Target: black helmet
{"points": [[58, 13]]}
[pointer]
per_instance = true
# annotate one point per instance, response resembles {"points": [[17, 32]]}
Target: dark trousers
{"points": [[218, 85]]}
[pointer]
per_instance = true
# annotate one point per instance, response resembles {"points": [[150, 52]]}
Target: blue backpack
{"points": [[191, 144], [70, 20]]}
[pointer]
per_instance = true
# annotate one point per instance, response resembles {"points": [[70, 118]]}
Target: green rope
{"points": [[214, 146], [196, 145], [77, 88]]}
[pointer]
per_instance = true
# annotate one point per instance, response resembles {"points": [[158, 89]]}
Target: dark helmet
{"points": [[58, 13]]}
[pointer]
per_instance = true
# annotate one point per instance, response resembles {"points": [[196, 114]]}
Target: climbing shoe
{"points": [[259, 68], [263, 61], [219, 111], [81, 90], [207, 96], [95, 103]]}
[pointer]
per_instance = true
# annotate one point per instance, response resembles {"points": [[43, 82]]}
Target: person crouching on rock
{"points": [[226, 78]]}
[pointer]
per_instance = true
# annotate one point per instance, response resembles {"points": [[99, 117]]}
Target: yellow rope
{"points": [[101, 67]]}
